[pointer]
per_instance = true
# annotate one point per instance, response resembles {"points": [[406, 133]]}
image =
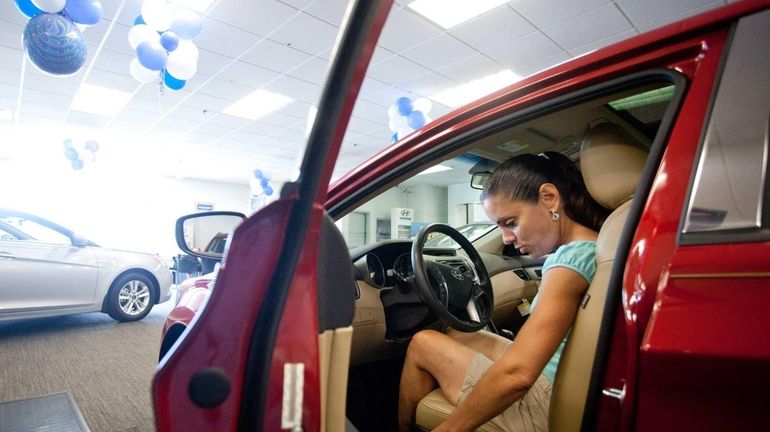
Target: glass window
{"points": [[730, 179], [36, 231]]}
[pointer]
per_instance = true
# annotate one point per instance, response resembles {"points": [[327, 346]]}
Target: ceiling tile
{"points": [[275, 56], [11, 58], [539, 65], [471, 68], [307, 34], [659, 12], [114, 61], [211, 103], [293, 87], [439, 51], [227, 121], [505, 25], [600, 23], [396, 70], [593, 46], [404, 27], [246, 74], [331, 11], [228, 90], [225, 39], [525, 50], [544, 13], [312, 70], [211, 63], [11, 34], [369, 110], [428, 84], [112, 80], [257, 16]]}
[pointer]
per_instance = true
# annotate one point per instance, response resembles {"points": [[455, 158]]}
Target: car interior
{"points": [[607, 133]]}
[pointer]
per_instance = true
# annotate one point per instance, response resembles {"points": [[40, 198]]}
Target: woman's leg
{"points": [[432, 358]]}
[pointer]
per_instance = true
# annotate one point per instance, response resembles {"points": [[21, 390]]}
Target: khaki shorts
{"points": [[530, 413]]}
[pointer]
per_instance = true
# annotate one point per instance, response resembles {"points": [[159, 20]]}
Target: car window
{"points": [[36, 231], [730, 180], [470, 231]]}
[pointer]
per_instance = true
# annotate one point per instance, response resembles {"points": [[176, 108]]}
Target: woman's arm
{"points": [[507, 380]]}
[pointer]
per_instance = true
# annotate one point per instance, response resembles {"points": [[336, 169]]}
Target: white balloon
{"points": [[141, 33], [393, 112], [423, 105], [50, 6], [187, 49], [404, 131], [141, 73], [180, 66], [157, 14]]}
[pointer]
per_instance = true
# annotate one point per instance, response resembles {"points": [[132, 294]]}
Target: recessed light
{"points": [[473, 90], [100, 100], [196, 5], [257, 105], [435, 169], [449, 13]]}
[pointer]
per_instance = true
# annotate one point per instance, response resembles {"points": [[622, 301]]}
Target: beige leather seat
{"points": [[611, 161]]}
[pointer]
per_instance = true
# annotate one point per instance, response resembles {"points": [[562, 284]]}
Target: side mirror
{"points": [[479, 179], [205, 234]]}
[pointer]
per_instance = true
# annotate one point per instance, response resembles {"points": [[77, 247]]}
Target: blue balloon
{"points": [[171, 82], [186, 24], [88, 12], [152, 55], [67, 143], [268, 190], [27, 8], [404, 106], [264, 182], [258, 173], [70, 153], [139, 20], [394, 137], [55, 44], [77, 164], [169, 40], [416, 119], [92, 145]]}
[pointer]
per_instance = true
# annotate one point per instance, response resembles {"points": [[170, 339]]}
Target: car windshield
{"points": [[470, 231]]}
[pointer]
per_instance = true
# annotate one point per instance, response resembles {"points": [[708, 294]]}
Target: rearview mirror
{"points": [[205, 234], [479, 179]]}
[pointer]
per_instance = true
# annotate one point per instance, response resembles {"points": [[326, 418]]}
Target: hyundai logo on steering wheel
{"points": [[457, 275]]}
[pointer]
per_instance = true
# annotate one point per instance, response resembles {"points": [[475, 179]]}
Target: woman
{"points": [[541, 205]]}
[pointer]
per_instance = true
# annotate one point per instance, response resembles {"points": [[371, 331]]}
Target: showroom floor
{"points": [[106, 365]]}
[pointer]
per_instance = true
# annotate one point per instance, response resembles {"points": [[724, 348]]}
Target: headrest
{"points": [[611, 161]]}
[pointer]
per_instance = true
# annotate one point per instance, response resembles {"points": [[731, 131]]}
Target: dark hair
{"points": [[520, 177]]}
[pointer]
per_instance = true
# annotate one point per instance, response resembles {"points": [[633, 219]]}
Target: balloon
{"points": [[404, 105], [423, 105], [152, 55], [139, 20], [258, 173], [54, 44], [50, 6], [393, 112], [77, 164], [187, 49], [67, 144], [157, 14], [169, 40], [92, 145], [87, 12], [171, 82], [186, 24], [404, 132], [394, 137], [397, 123], [264, 182], [70, 153], [181, 66], [27, 8], [141, 33], [141, 73], [416, 120], [268, 190]]}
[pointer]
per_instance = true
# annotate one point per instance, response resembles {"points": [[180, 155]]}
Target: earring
{"points": [[554, 216]]}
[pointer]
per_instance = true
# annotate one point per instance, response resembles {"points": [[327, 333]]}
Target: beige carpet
{"points": [[106, 365]]}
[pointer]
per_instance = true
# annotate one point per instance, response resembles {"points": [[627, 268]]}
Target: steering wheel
{"points": [[446, 290]]}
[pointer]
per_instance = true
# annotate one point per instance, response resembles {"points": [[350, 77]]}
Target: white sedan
{"points": [[48, 270]]}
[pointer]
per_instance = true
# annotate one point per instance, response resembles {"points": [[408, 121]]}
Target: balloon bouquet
{"points": [[260, 184], [162, 39], [75, 158], [53, 37], [405, 116]]}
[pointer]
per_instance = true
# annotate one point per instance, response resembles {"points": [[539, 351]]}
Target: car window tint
{"points": [[730, 178], [36, 231]]}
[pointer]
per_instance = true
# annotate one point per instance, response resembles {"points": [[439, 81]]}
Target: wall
{"points": [[460, 195]]}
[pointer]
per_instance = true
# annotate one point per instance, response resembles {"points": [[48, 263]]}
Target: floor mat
{"points": [[54, 412]]}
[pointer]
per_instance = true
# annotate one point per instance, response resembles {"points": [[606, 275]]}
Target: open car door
{"points": [[250, 360]]}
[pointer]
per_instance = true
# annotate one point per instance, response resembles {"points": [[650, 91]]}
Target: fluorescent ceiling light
{"points": [[257, 104], [473, 90], [449, 13], [435, 169], [196, 5], [100, 100]]}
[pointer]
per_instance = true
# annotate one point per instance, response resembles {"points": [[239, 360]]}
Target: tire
{"points": [[130, 298]]}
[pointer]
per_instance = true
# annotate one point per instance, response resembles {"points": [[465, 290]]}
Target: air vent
{"points": [[522, 274]]}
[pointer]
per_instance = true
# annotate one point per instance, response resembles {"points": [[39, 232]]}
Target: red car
{"points": [[671, 132]]}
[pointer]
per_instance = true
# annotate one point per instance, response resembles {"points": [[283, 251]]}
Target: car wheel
{"points": [[130, 298]]}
